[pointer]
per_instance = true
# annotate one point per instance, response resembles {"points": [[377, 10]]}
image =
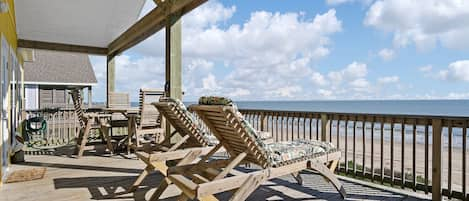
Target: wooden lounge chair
{"points": [[149, 127], [193, 144], [206, 178], [87, 122]]}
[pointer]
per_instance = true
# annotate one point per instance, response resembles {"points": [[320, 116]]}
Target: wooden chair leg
{"points": [[105, 132], [83, 138], [329, 175], [140, 179], [160, 189], [249, 186], [333, 165], [297, 177], [182, 197]]}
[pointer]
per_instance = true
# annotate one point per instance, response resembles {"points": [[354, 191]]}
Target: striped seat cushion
{"points": [[287, 151]]}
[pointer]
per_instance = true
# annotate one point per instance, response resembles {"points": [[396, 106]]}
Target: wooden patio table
{"points": [[131, 114]]}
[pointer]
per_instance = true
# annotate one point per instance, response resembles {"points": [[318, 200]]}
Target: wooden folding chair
{"points": [[208, 177], [87, 122], [193, 144], [149, 122]]}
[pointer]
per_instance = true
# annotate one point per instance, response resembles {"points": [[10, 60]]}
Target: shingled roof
{"points": [[59, 68]]}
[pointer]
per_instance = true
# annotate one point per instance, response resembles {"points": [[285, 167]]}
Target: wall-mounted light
{"points": [[4, 6]]}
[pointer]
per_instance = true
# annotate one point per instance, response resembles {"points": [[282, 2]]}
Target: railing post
{"points": [[436, 161], [325, 124], [263, 123]]}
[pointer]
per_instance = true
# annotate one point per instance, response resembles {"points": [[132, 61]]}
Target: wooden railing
{"points": [[423, 153], [62, 127]]}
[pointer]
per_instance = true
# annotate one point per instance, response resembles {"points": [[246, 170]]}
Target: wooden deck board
{"points": [[101, 178]]}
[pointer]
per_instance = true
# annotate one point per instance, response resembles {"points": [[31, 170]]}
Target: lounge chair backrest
{"points": [[119, 100], [177, 115], [77, 103], [233, 132], [149, 115]]}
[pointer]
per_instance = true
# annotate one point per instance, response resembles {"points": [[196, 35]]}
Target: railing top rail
{"points": [[409, 116]]}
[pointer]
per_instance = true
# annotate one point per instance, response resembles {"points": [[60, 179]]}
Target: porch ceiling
{"points": [[85, 23]]}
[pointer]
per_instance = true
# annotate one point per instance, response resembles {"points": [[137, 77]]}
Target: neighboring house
{"points": [[49, 76]]}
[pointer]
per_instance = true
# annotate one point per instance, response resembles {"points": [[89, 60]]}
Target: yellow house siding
{"points": [[8, 30]]}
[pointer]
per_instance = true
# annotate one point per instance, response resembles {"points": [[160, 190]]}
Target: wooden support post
{"points": [[110, 77], [325, 124], [173, 64], [90, 97], [436, 161]]}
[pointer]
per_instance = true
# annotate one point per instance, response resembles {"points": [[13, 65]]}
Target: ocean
{"points": [[457, 108]]}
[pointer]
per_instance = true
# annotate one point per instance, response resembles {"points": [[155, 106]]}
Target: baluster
{"points": [[304, 126], [281, 127], [392, 152], [276, 127], [364, 146], [317, 127], [330, 128], [311, 127], [382, 150], [346, 144], [426, 158], [338, 134], [354, 146], [298, 126], [403, 153], [450, 152], [292, 126], [414, 155], [372, 149], [464, 151]]}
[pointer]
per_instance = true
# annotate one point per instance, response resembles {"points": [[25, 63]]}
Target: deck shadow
{"points": [[82, 167], [109, 187]]}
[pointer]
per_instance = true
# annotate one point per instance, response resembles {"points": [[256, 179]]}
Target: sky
{"points": [[309, 50]]}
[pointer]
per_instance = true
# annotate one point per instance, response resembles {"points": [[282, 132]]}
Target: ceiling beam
{"points": [[151, 23], [61, 47]]}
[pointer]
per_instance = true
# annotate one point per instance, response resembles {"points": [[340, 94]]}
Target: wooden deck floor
{"points": [[101, 178]]}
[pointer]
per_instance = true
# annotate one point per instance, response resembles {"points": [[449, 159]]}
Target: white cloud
{"points": [[353, 71], [209, 83], [238, 92], [388, 80], [325, 93], [287, 91], [454, 95], [422, 22], [386, 54], [426, 69], [270, 53], [338, 2], [319, 79], [456, 71]]}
